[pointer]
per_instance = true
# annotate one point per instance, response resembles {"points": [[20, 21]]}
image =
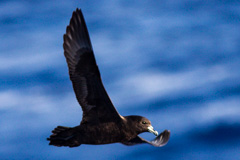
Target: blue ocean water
{"points": [[174, 62]]}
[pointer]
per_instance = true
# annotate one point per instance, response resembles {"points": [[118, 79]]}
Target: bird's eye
{"points": [[144, 122]]}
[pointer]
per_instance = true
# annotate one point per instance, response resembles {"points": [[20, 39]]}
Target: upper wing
{"points": [[84, 73], [159, 141]]}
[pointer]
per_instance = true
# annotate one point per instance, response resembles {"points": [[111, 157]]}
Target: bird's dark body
{"points": [[97, 133], [101, 123], [104, 133]]}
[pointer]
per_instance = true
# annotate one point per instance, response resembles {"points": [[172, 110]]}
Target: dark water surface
{"points": [[175, 62]]}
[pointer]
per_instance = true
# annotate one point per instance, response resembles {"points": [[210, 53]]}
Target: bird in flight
{"points": [[101, 123]]}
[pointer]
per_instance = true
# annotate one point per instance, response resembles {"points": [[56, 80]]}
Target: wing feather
{"points": [[84, 73], [159, 141]]}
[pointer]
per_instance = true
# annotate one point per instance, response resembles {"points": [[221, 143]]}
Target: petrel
{"points": [[101, 123]]}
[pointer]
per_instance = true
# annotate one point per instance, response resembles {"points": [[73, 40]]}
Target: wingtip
{"points": [[78, 10], [161, 140], [167, 131], [165, 137]]}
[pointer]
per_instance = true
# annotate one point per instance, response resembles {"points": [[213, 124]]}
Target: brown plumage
{"points": [[101, 123]]}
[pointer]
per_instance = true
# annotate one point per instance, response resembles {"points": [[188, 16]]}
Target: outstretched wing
{"points": [[84, 73], [159, 141]]}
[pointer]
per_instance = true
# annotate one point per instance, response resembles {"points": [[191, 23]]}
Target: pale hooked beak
{"points": [[151, 130]]}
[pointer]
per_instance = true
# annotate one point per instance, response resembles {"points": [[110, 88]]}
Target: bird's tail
{"points": [[63, 136]]}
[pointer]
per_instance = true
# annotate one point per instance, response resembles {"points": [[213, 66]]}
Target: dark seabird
{"points": [[101, 123]]}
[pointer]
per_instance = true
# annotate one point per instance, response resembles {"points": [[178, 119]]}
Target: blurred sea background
{"points": [[174, 62]]}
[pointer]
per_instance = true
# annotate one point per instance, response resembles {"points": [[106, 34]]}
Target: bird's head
{"points": [[141, 124]]}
